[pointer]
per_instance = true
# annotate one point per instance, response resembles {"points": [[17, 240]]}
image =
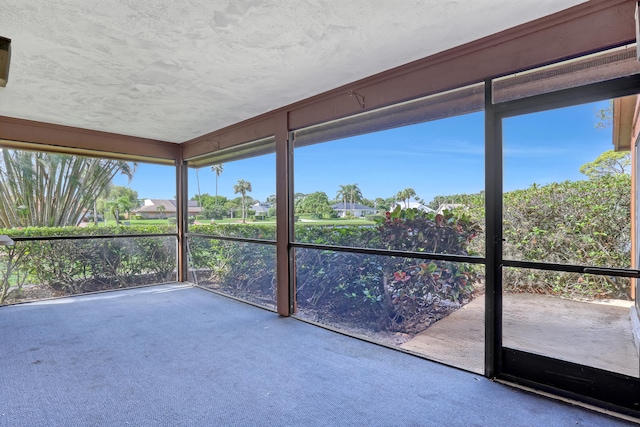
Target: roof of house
{"points": [[260, 207], [151, 205], [412, 205], [352, 206]]}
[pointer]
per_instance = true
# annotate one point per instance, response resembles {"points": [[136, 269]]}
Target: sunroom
{"points": [[515, 134]]}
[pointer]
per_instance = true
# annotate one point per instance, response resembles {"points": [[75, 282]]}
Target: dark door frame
{"points": [[582, 383]]}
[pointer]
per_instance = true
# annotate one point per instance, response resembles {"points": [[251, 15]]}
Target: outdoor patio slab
{"points": [[593, 334]]}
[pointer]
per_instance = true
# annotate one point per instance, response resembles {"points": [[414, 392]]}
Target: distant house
{"points": [[443, 207], [164, 208], [412, 205], [356, 209], [448, 206], [261, 209]]}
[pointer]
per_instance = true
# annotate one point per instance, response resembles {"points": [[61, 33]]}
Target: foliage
{"points": [[160, 209], [243, 270], [71, 266], [48, 189], [212, 206], [315, 203], [263, 231], [581, 222], [350, 193], [122, 199], [406, 195], [608, 163], [395, 293], [217, 169], [474, 202], [243, 187]]}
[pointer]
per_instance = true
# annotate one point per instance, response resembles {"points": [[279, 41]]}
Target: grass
{"points": [[111, 222]]}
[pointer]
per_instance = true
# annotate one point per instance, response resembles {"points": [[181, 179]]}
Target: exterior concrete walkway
{"points": [[593, 334]]}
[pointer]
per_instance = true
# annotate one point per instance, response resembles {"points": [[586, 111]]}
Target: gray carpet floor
{"points": [[174, 355]]}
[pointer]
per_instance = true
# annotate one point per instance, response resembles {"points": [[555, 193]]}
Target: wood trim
{"points": [[71, 140], [284, 217], [259, 128], [582, 29], [577, 31], [182, 223]]}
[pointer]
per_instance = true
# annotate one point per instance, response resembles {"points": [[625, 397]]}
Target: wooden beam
{"points": [[71, 140]]}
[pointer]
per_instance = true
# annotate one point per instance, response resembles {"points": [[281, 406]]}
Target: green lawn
{"points": [[111, 222]]}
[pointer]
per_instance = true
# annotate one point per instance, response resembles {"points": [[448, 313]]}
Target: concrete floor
{"points": [[598, 335]]}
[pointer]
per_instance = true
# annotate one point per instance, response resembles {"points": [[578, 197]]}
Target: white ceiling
{"points": [[176, 69]]}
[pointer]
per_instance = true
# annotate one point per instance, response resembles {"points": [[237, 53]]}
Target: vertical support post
{"points": [[182, 217], [285, 287], [634, 214], [493, 236]]}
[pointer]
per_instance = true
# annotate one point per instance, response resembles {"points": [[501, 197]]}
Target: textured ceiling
{"points": [[174, 70]]}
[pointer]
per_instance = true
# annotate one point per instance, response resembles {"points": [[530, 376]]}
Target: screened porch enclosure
{"points": [[475, 208]]}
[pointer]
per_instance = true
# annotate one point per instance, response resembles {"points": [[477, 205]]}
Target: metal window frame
{"points": [[606, 389]]}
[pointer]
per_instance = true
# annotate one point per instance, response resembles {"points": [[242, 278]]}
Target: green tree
{"points": [[231, 206], [349, 192], [608, 163], [406, 195], [474, 201], [160, 209], [604, 116], [118, 205], [127, 198], [48, 189], [315, 203], [212, 206], [243, 187], [98, 203]]}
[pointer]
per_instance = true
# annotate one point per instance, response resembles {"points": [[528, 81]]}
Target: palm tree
{"points": [[405, 195], [342, 194], [52, 189], [242, 187], [104, 193], [217, 168], [160, 209], [351, 191]]}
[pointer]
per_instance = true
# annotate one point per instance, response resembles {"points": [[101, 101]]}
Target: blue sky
{"points": [[434, 158]]}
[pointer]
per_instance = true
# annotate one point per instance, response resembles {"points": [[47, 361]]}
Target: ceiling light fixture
{"points": [[5, 58]]}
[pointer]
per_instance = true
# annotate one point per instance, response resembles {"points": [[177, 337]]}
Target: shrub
{"points": [[574, 222], [76, 266], [399, 293], [583, 222]]}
